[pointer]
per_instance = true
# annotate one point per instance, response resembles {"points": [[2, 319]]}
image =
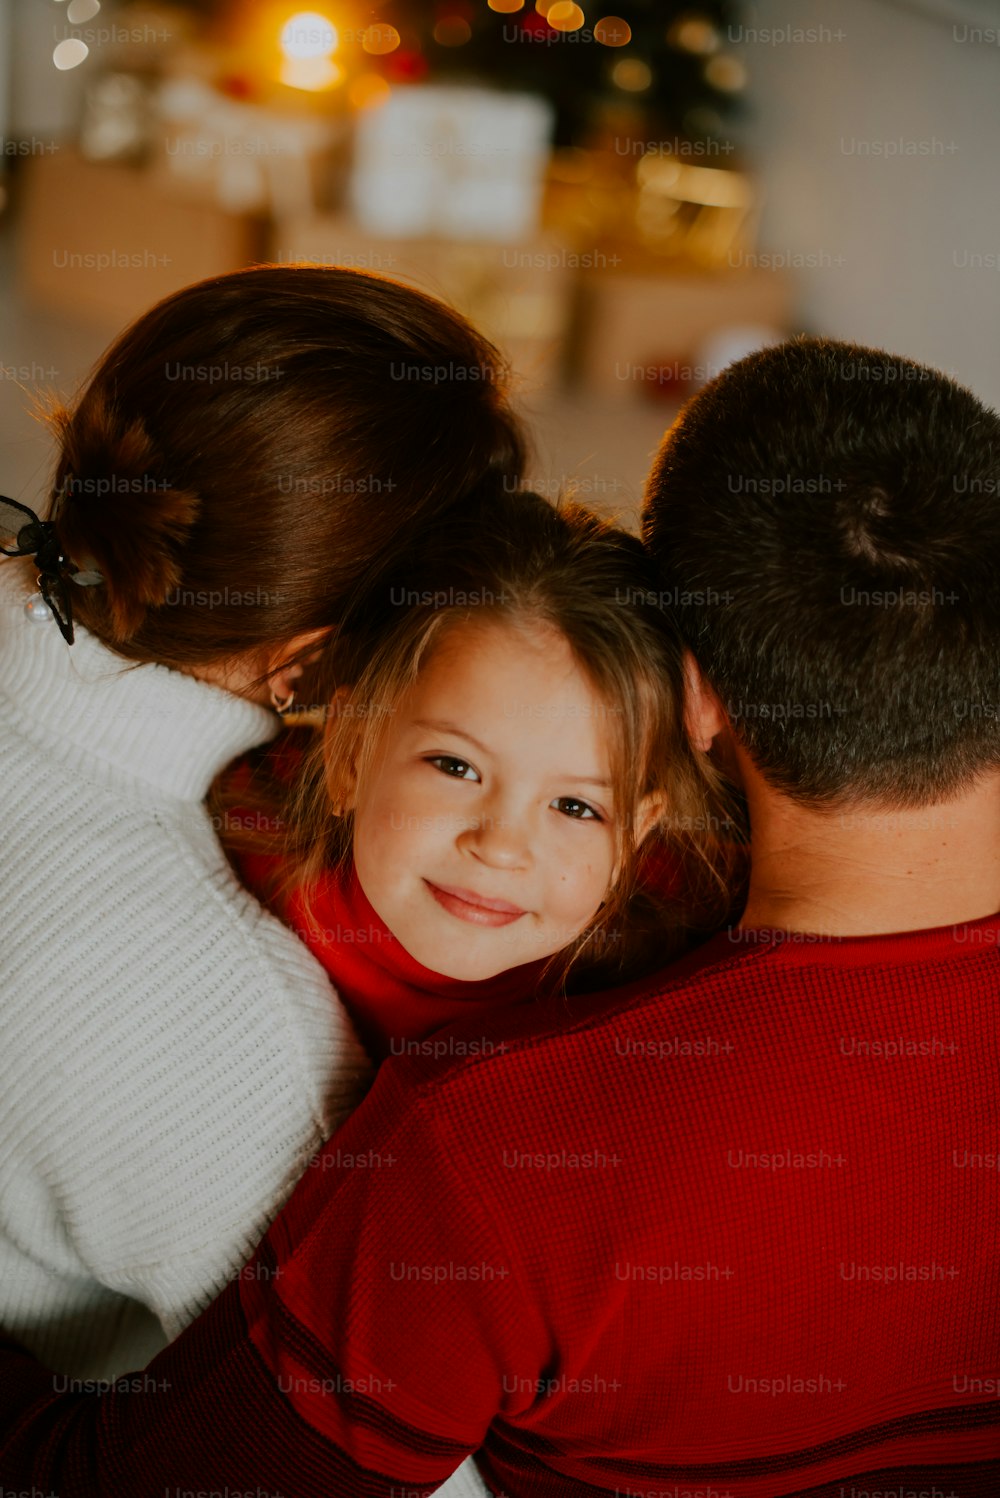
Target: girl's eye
{"points": [[458, 769], [578, 810]]}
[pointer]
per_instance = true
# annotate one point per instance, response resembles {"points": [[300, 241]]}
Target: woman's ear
{"points": [[704, 715], [287, 665]]}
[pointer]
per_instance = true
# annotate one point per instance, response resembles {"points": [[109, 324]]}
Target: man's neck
{"points": [[870, 870]]}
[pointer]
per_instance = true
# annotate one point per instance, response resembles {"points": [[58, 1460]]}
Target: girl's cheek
{"points": [[585, 883], [420, 787]]}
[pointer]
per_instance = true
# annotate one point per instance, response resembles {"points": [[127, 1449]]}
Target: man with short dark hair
{"points": [[827, 522], [731, 1230]]}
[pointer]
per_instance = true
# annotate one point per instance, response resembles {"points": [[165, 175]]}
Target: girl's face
{"points": [[484, 836]]}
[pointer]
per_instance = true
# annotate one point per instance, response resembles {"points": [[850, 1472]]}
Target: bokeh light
{"points": [[565, 16], [368, 91], [307, 34], [452, 31], [380, 39], [693, 33], [307, 42], [632, 74], [82, 10], [727, 74], [70, 53], [612, 31]]}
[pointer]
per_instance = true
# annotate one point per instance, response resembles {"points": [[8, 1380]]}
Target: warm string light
{"points": [[727, 74], [564, 15], [632, 74], [612, 31], [380, 39], [308, 42], [693, 33]]}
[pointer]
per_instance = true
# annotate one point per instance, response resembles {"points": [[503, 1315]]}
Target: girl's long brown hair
{"points": [[518, 559]]}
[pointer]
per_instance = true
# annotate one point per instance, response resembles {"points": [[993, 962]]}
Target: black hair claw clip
{"points": [[37, 538]]}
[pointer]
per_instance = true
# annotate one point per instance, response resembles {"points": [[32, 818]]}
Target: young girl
{"points": [[504, 801]]}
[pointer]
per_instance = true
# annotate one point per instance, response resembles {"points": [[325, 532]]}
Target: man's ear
{"points": [[704, 715]]}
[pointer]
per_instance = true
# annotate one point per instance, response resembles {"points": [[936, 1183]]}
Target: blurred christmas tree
{"points": [[665, 65]]}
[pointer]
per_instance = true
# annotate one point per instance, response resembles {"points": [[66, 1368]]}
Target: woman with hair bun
{"points": [[244, 458]]}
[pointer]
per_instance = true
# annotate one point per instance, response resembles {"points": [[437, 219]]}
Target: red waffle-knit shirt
{"points": [[731, 1230]]}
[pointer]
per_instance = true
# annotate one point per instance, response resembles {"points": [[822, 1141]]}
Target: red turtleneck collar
{"points": [[391, 998]]}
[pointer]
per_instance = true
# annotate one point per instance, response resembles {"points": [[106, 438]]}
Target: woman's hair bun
{"points": [[115, 508], [253, 445]]}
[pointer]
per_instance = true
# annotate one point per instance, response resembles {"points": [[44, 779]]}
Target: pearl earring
{"points": [[36, 609]]}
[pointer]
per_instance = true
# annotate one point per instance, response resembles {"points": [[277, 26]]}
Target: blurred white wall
{"points": [[893, 238]]}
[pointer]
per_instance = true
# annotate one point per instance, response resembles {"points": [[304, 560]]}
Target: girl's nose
{"points": [[499, 840]]}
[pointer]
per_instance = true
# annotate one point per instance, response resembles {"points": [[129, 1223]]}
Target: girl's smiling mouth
{"points": [[477, 909]]}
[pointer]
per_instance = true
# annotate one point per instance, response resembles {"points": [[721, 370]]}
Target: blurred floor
{"points": [[602, 450]]}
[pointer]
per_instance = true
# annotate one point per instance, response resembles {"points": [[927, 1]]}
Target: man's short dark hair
{"points": [[826, 521]]}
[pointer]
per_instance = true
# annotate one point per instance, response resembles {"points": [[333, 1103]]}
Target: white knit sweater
{"points": [[170, 1055]]}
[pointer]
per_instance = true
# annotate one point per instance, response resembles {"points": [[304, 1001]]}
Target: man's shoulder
{"points": [[726, 995], [562, 1030]]}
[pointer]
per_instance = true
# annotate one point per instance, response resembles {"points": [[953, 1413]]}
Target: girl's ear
{"points": [[342, 705], [651, 810]]}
